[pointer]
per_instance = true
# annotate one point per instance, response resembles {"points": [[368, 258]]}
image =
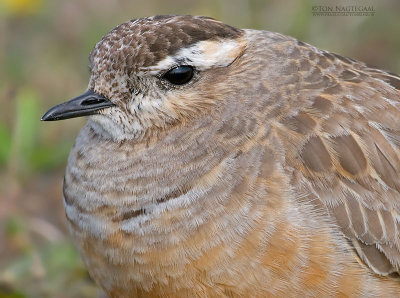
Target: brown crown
{"points": [[144, 42]]}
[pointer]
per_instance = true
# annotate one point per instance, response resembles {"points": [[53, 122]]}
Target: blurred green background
{"points": [[44, 47]]}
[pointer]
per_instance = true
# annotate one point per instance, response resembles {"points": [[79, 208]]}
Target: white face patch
{"points": [[202, 55]]}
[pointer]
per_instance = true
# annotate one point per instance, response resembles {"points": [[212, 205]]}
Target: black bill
{"points": [[89, 103]]}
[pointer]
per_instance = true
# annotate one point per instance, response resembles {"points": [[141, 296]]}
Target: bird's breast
{"points": [[157, 208], [176, 211]]}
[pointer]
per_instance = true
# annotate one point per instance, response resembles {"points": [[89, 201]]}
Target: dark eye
{"points": [[179, 75]]}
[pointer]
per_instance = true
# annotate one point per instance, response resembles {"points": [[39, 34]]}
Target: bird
{"points": [[227, 162]]}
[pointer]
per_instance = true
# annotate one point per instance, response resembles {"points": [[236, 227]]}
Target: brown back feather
{"points": [[349, 157]]}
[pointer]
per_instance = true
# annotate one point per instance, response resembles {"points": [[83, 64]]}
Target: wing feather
{"points": [[349, 158]]}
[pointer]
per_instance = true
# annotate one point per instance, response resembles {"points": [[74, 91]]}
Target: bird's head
{"points": [[154, 72]]}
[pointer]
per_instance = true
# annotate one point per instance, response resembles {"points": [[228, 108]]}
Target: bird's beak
{"points": [[89, 103]]}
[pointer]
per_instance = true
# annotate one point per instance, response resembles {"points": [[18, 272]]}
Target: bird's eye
{"points": [[179, 75]]}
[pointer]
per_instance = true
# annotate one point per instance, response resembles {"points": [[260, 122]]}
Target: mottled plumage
{"points": [[273, 172]]}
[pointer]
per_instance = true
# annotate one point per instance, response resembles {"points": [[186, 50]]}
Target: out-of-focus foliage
{"points": [[44, 46], [21, 7]]}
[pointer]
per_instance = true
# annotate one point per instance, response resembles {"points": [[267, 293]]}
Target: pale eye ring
{"points": [[179, 75]]}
